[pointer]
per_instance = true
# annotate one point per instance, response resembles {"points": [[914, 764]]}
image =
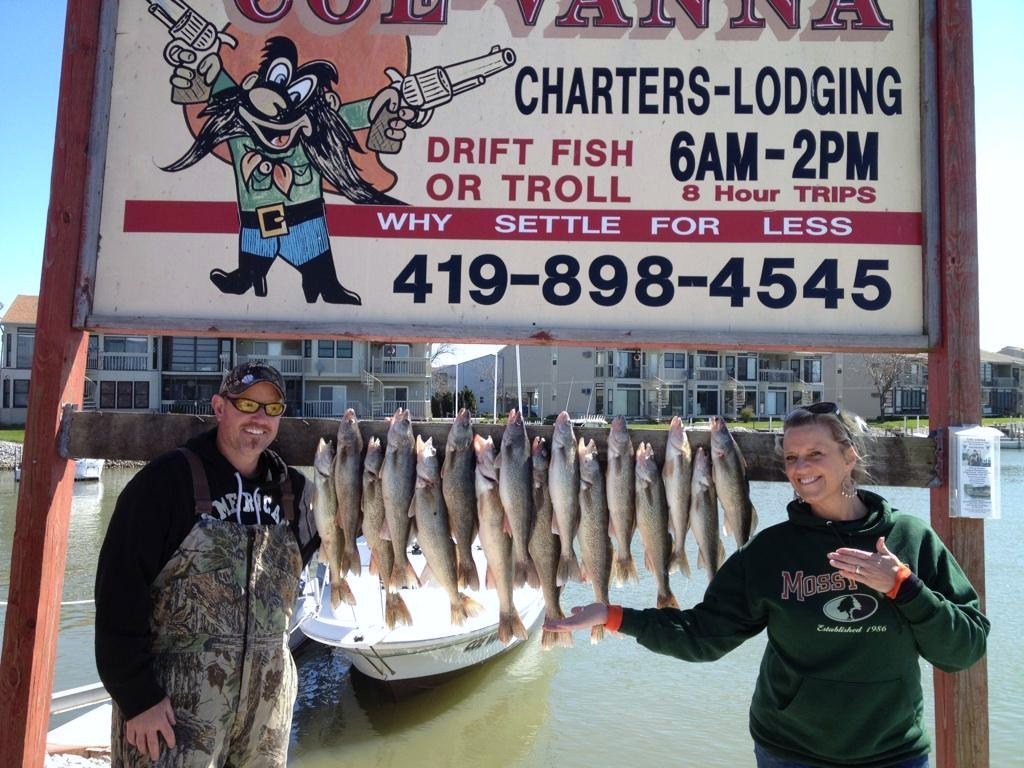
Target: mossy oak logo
{"points": [[851, 608]]}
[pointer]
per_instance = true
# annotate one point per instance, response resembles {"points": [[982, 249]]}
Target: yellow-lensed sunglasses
{"points": [[245, 405]]}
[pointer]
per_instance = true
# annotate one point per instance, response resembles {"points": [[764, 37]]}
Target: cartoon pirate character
{"points": [[287, 131]]}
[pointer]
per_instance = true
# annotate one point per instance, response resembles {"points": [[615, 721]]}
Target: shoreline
{"points": [[10, 456]]}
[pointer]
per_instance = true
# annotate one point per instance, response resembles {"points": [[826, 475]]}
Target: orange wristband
{"points": [[614, 618], [901, 575]]}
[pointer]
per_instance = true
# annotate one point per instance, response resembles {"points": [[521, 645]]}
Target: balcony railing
{"points": [[776, 376], [286, 364], [709, 374], [673, 374], [190, 407], [124, 361], [328, 366], [418, 409], [329, 409], [406, 367]]}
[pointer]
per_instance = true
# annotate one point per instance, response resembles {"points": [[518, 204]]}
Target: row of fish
{"points": [[527, 504]]}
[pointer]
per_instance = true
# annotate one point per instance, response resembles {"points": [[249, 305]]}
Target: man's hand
{"points": [[143, 730]]}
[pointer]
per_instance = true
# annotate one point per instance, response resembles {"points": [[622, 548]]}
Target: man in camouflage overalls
{"points": [[195, 588]]}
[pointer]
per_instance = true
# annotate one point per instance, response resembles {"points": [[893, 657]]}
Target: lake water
{"points": [[584, 706]]}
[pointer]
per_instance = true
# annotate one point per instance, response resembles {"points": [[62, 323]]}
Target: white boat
{"points": [[85, 469], [418, 656]]}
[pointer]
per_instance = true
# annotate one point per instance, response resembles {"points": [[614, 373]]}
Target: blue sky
{"points": [[30, 57]]}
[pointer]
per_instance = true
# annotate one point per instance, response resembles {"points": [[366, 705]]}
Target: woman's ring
{"points": [[857, 571]]}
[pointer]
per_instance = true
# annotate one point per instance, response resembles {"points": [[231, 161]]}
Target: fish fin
{"points": [[584, 573], [504, 628], [679, 561], [519, 572], [624, 569], [355, 564], [554, 526], [700, 560], [412, 508], [372, 567], [341, 592], [596, 634], [568, 569], [648, 564], [506, 525], [384, 532], [468, 575], [518, 628], [489, 582], [721, 552], [396, 612], [404, 576], [426, 576], [667, 601], [464, 608], [549, 640], [532, 577]]}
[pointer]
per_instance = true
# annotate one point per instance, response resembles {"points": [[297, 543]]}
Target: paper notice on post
{"points": [[974, 472]]}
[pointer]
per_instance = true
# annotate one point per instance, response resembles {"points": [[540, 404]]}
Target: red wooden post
{"points": [[954, 383], [58, 376]]}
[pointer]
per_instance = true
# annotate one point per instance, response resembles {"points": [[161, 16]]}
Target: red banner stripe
{"points": [[555, 225]]}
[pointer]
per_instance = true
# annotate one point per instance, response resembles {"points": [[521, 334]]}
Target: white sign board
{"points": [[581, 169]]}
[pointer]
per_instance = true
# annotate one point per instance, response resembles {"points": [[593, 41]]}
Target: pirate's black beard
{"points": [[328, 150], [224, 123]]}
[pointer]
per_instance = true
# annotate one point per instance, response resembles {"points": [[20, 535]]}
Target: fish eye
{"points": [[299, 91], [280, 72]]}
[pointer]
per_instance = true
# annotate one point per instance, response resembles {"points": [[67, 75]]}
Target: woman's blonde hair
{"points": [[846, 429]]}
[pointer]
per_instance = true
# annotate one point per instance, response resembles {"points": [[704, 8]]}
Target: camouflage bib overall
{"points": [[221, 609]]}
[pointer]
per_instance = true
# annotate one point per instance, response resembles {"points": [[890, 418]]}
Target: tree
{"points": [[467, 400], [885, 370]]}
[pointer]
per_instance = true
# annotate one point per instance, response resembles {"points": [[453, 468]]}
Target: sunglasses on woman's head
{"points": [[816, 408], [245, 405]]}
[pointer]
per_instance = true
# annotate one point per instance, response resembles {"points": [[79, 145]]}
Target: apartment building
{"points": [[640, 384], [179, 374]]}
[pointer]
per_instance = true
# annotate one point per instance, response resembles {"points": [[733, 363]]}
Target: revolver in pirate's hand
{"points": [[412, 99], [193, 50]]}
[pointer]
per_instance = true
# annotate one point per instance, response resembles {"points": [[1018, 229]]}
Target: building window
{"points": [[20, 393], [707, 360], [334, 349], [26, 345], [192, 353], [129, 344], [92, 359], [675, 360], [812, 370], [7, 394]]}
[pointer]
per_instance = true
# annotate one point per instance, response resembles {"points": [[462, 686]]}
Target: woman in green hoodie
{"points": [[851, 594]]}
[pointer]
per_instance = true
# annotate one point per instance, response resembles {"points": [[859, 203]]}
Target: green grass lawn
{"points": [[12, 435]]}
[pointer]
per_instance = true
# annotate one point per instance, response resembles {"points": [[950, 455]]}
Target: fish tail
{"points": [[568, 568], [518, 628], [680, 561], [341, 592], [510, 627], [624, 569], [404, 575], [668, 600], [519, 571], [468, 575], [353, 564], [463, 608], [596, 634], [396, 612]]}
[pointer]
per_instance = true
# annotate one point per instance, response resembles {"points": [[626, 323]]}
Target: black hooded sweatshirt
{"points": [[153, 515]]}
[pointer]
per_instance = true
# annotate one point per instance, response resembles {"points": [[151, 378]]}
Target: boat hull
{"points": [[429, 651]]}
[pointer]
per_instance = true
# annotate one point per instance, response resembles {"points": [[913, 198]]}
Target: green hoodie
{"points": [[839, 683]]}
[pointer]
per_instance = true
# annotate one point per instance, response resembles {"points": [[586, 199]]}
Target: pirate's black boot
{"points": [[319, 280], [251, 273]]}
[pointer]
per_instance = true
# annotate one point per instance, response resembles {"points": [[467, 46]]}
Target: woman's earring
{"points": [[848, 488]]}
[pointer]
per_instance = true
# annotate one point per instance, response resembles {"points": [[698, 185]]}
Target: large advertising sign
{"points": [[670, 170]]}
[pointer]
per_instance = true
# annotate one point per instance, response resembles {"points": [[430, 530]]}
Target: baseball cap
{"points": [[243, 376]]}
